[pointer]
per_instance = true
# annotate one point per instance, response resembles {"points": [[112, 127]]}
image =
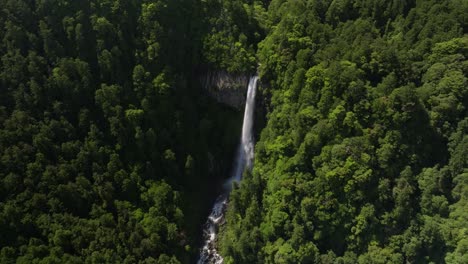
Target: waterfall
{"points": [[243, 160]]}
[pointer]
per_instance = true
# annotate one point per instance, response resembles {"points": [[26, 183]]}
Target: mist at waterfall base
{"points": [[242, 161]]}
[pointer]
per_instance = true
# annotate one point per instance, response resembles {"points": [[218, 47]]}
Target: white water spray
{"points": [[243, 160]]}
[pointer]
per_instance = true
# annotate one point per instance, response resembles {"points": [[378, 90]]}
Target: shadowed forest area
{"points": [[111, 152], [108, 149]]}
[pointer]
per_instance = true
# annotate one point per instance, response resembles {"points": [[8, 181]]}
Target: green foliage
{"points": [[100, 147], [363, 158], [107, 145], [233, 30]]}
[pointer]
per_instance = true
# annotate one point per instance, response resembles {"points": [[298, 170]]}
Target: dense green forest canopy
{"points": [[109, 147], [364, 155]]}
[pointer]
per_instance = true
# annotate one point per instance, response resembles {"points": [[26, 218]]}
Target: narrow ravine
{"points": [[243, 160]]}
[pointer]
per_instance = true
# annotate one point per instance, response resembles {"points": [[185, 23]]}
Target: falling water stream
{"points": [[243, 160]]}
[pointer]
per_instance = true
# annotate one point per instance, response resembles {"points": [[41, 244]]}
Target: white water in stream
{"points": [[243, 160]]}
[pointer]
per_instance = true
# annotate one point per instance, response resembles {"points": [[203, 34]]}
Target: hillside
{"points": [[364, 155], [113, 151]]}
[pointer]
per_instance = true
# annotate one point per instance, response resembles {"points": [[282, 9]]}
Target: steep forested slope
{"points": [[364, 156], [108, 148], [106, 145]]}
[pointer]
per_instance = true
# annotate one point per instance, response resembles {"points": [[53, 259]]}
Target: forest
{"points": [[107, 145], [111, 151]]}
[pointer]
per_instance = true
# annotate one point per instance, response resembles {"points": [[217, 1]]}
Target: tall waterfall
{"points": [[244, 159]]}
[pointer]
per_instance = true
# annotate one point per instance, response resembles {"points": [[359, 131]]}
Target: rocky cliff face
{"points": [[229, 89]]}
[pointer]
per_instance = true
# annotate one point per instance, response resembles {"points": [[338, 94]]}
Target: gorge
{"points": [[243, 160], [127, 132]]}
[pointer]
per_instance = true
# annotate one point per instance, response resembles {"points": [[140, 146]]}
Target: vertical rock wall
{"points": [[226, 88]]}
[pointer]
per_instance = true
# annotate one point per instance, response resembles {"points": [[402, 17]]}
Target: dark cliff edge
{"points": [[226, 88], [230, 89]]}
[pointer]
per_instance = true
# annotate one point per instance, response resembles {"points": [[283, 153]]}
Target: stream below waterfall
{"points": [[243, 160]]}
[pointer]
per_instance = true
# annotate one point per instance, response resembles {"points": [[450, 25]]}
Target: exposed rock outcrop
{"points": [[226, 88]]}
